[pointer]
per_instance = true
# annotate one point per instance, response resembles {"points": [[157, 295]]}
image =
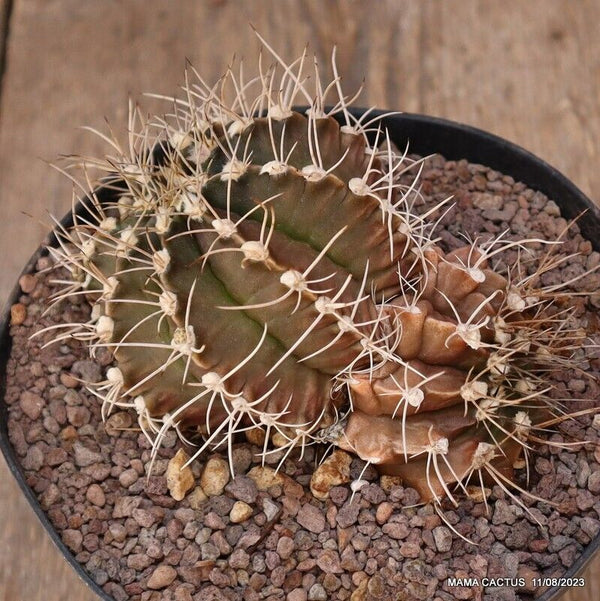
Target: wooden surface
{"points": [[528, 71]]}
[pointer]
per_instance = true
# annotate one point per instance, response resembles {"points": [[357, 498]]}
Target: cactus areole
{"points": [[260, 270]]}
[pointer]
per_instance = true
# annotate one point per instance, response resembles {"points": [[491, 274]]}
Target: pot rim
{"points": [[424, 135]]}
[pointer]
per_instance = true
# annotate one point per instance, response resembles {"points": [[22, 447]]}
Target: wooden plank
{"points": [[527, 71], [5, 9]]}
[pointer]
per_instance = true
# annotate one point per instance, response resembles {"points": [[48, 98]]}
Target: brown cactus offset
{"points": [[255, 267]]}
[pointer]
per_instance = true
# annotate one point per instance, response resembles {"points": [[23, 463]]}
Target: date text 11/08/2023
{"points": [[516, 582]]}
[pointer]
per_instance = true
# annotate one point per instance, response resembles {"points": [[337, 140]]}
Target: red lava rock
{"points": [[75, 521], [144, 517], [311, 518], [567, 555], [257, 581], [174, 529], [173, 557], [298, 594], [68, 380], [124, 506], [349, 561], [78, 416], [285, 547], [331, 516], [528, 574], [339, 494], [331, 583], [198, 573], [133, 588], [239, 559], [277, 577], [73, 539], [51, 496], [156, 485], [85, 456], [90, 542], [242, 488], [31, 404], [56, 456], [348, 514], [28, 282], [443, 538], [396, 530], [88, 370], [219, 540], [128, 477], [162, 577], [306, 565], [383, 512], [291, 505], [585, 500], [57, 517], [118, 531], [431, 521], [116, 591], [248, 539], [69, 433], [411, 550], [96, 495], [293, 489], [329, 562], [34, 459], [593, 482]]}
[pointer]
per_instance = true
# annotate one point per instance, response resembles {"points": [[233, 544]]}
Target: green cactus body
{"points": [[266, 272]]}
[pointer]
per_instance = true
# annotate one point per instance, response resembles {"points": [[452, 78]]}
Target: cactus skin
{"points": [[267, 273]]}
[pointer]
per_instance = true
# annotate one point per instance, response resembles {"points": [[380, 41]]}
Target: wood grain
{"points": [[528, 71]]}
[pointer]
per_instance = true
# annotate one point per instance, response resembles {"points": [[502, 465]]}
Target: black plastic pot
{"points": [[425, 135]]}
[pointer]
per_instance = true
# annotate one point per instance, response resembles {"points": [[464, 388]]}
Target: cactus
{"points": [[257, 269]]}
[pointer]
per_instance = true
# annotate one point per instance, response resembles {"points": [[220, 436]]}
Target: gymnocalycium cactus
{"points": [[256, 269]]}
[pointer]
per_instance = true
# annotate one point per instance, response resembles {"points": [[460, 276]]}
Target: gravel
{"points": [[264, 536]]}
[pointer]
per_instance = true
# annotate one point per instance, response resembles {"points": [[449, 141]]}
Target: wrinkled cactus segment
{"points": [[258, 270]]}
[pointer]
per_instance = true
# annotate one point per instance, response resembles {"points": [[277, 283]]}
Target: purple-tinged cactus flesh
{"points": [[256, 269]]}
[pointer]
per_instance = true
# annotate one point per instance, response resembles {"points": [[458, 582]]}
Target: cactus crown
{"points": [[259, 270]]}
